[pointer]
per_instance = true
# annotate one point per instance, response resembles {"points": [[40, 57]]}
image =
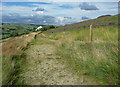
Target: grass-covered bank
{"points": [[98, 60], [12, 69], [13, 57]]}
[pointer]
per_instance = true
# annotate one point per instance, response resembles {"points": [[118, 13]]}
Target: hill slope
{"points": [[100, 21], [65, 55]]}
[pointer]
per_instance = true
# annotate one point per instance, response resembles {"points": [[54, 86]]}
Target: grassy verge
{"points": [[98, 60], [13, 68], [13, 58]]}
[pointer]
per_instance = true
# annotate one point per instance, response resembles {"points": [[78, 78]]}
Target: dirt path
{"points": [[45, 67]]}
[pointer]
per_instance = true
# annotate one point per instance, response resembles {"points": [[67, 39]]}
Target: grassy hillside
{"points": [[65, 55], [98, 59], [98, 22]]}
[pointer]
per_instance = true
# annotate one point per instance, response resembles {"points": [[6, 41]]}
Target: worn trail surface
{"points": [[45, 67]]}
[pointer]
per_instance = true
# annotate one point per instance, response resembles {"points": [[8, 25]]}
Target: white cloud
{"points": [[60, 18], [40, 12]]}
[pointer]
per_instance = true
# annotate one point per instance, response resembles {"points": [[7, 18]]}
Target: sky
{"points": [[55, 12]]}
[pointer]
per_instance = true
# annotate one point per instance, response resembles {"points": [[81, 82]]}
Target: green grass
{"points": [[107, 33], [12, 68], [98, 60], [111, 18], [103, 33]]}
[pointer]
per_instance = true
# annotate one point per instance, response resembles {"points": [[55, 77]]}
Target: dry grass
{"points": [[10, 48]]}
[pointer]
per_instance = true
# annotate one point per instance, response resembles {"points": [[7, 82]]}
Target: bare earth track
{"points": [[45, 67]]}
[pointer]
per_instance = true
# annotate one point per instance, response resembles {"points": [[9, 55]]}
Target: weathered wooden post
{"points": [[91, 32]]}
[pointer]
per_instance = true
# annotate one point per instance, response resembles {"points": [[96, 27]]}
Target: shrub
{"points": [[44, 29], [47, 27]]}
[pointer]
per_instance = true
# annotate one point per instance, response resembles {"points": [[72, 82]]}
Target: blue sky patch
{"points": [[26, 4]]}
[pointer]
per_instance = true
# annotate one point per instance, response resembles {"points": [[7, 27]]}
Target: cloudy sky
{"points": [[45, 12]]}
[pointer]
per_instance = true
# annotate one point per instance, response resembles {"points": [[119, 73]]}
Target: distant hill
{"points": [[15, 29], [104, 16]]}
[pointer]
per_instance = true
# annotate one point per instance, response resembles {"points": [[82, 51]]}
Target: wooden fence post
{"points": [[91, 32]]}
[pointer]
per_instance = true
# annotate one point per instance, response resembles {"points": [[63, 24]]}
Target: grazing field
{"points": [[64, 55]]}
